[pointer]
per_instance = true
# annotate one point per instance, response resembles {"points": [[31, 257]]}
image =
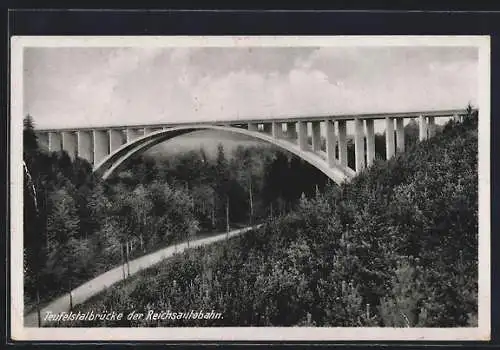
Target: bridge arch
{"points": [[107, 166]]}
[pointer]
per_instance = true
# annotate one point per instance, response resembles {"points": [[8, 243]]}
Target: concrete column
{"points": [[101, 145], [267, 128], [342, 142], [55, 141], [69, 143], [85, 146], [133, 134], [390, 148], [116, 139], [422, 128], [400, 134], [252, 127], [291, 130], [316, 136], [359, 142], [431, 126], [302, 130], [277, 130], [43, 140], [330, 142], [370, 141]]}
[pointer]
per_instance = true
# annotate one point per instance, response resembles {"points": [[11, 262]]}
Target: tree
{"points": [[30, 140], [62, 227], [223, 181], [33, 252], [247, 169], [204, 208]]}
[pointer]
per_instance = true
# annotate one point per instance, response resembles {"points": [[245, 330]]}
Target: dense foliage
{"points": [[77, 226], [395, 247]]}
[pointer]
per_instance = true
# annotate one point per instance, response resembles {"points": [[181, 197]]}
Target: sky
{"points": [[88, 87]]}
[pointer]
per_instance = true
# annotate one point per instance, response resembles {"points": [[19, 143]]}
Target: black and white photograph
{"points": [[250, 188]]}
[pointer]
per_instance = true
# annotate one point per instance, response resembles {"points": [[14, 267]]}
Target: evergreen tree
{"points": [[222, 184], [63, 226], [30, 141]]}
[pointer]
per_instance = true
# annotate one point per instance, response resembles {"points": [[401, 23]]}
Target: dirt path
{"points": [[105, 280]]}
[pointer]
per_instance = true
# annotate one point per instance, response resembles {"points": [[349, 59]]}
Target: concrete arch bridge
{"points": [[107, 147]]}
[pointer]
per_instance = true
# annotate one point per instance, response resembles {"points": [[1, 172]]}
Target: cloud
{"points": [[96, 86]]}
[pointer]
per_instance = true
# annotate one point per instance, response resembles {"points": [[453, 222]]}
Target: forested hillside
{"points": [[395, 247], [78, 226]]}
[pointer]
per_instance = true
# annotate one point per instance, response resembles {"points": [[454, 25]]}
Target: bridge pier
{"points": [[101, 144], [69, 143], [277, 130], [55, 141], [422, 128], [359, 143], [400, 134], [291, 130], [389, 138], [116, 139], [302, 130], [330, 142], [43, 140], [316, 136], [370, 141], [431, 126], [133, 134], [267, 128], [252, 127], [85, 146], [342, 142]]}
